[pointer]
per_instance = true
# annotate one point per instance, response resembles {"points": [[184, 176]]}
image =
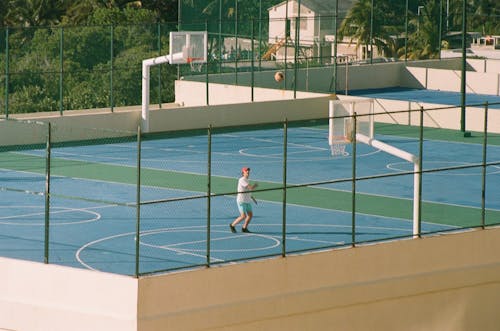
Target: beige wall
{"points": [[40, 297], [189, 93], [233, 115], [169, 117], [450, 80], [443, 282], [317, 79], [435, 115], [32, 128], [440, 283], [433, 74], [485, 65]]}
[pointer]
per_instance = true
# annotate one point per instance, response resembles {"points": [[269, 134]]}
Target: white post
{"points": [[416, 169], [330, 122], [387, 148], [145, 96], [146, 64]]}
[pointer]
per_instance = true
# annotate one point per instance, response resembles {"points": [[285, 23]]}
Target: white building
{"points": [[317, 20], [487, 47]]}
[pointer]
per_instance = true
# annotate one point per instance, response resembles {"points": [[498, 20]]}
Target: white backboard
{"points": [[188, 47]]}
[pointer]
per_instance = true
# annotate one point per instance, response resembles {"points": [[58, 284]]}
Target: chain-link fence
{"points": [[132, 204], [85, 67]]}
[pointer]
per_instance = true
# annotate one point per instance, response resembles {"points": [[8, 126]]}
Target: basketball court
{"points": [[338, 181], [93, 215], [156, 201]]}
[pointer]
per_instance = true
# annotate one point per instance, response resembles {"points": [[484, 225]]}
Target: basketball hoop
{"points": [[338, 145], [196, 63]]}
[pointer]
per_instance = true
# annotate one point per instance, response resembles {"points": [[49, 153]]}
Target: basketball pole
{"points": [[146, 64], [415, 160], [145, 97]]}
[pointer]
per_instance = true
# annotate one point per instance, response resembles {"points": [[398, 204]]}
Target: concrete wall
{"points": [[485, 65], [76, 125], [73, 125], [435, 115], [39, 297], [316, 79], [483, 77], [440, 283], [240, 114], [189, 93], [450, 80], [447, 282]]}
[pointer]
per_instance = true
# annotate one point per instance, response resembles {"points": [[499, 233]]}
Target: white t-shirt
{"points": [[243, 187]]}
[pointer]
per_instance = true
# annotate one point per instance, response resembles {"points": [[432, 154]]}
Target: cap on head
{"points": [[245, 169]]}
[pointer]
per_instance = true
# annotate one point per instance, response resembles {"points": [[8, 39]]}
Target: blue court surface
{"points": [[429, 96], [93, 214]]}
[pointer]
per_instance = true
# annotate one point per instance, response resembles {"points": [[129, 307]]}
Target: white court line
{"points": [[96, 217]]}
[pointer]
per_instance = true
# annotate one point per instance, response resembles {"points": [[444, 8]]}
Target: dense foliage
{"points": [[66, 54]]}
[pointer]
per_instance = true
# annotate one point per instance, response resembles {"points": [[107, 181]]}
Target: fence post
{"points": [[207, 89], [296, 55], [61, 71], [7, 72], [420, 166], [236, 41], [138, 203], [158, 31], [283, 229], [333, 81], [353, 196], [483, 184], [47, 194], [111, 94], [371, 31], [252, 61], [209, 191], [260, 36]]}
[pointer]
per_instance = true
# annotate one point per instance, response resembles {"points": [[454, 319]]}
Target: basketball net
{"points": [[195, 63], [338, 146]]}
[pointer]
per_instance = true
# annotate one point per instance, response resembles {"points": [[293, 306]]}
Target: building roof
{"points": [[323, 7]]}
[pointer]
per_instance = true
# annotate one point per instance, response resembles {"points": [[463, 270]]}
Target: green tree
{"points": [[28, 13], [81, 11], [34, 79], [3, 13], [485, 16], [164, 10], [423, 43], [357, 26]]}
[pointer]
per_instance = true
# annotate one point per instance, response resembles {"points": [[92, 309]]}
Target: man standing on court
{"points": [[244, 201]]}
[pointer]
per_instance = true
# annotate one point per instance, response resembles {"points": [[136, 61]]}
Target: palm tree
{"points": [[79, 11], [485, 16], [34, 12], [358, 26], [424, 42]]}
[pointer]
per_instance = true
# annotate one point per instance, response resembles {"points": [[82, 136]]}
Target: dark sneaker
{"points": [[245, 230], [233, 230]]}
